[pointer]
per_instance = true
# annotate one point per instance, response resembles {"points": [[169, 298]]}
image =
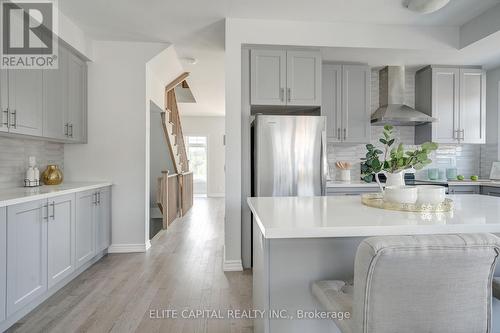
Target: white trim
{"points": [[216, 195], [129, 248], [231, 265]]}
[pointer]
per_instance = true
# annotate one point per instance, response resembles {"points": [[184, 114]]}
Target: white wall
{"points": [[117, 130], [214, 129], [248, 31]]}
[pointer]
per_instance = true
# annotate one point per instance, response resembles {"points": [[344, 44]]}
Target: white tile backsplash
{"points": [[468, 159], [14, 155]]}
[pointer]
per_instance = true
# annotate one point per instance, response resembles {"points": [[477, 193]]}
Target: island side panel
{"points": [[294, 265], [260, 291]]}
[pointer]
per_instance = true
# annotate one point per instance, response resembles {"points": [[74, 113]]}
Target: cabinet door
{"points": [[77, 95], [26, 101], [85, 227], [4, 101], [356, 104], [268, 77], [303, 77], [103, 219], [445, 104], [331, 104], [3, 261], [55, 100], [472, 106], [26, 253], [61, 236]]}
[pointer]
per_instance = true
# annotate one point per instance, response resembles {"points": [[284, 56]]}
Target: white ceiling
{"points": [[196, 28]]}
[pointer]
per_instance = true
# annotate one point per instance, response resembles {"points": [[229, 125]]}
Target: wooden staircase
{"points": [[175, 191]]}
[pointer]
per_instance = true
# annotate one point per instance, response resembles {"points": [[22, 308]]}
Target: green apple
{"points": [[474, 178], [460, 177]]}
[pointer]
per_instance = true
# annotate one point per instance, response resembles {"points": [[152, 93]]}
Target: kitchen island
{"points": [[299, 240]]}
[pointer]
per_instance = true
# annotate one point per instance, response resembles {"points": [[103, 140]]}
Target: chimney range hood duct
{"points": [[392, 109]]}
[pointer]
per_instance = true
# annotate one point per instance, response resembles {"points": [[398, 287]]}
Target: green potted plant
{"points": [[393, 161]]}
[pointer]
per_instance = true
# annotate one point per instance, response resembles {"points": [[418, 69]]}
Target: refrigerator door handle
{"points": [[323, 163]]}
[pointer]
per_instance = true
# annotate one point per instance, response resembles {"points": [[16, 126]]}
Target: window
{"points": [[198, 162]]}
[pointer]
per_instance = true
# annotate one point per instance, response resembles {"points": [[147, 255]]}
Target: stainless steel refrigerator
{"points": [[289, 156]]}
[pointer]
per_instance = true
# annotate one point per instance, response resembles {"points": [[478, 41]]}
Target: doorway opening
{"points": [[197, 151]]}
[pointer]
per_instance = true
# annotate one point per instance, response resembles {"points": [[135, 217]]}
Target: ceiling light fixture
{"points": [[190, 61], [425, 6]]}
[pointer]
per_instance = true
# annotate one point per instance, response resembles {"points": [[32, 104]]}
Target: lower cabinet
{"points": [[333, 191], [3, 261], [61, 238], [44, 242], [85, 226], [103, 219], [26, 253], [464, 189], [491, 190]]}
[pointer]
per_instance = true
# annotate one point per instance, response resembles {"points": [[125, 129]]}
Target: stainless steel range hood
{"points": [[392, 109]]}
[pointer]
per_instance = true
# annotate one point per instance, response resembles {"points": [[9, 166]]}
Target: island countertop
{"points": [[346, 216]]}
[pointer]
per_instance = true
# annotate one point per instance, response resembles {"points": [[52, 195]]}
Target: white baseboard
{"points": [[216, 195], [129, 248], [231, 265]]}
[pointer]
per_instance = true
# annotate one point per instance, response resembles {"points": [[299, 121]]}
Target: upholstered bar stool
{"points": [[408, 284], [496, 287]]}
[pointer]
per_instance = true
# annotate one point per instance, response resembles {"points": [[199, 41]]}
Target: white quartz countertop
{"points": [[346, 216], [465, 182], [352, 183], [19, 195]]}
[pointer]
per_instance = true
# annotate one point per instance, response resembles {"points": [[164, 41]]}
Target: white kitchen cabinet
{"points": [[346, 102], [285, 77], [331, 105], [3, 262], [77, 98], [26, 253], [472, 106], [268, 77], [456, 98], [4, 101], [61, 238], [25, 101], [103, 219], [85, 226], [303, 78], [55, 99]]}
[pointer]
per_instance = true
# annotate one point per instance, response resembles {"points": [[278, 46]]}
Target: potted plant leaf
{"points": [[393, 161]]}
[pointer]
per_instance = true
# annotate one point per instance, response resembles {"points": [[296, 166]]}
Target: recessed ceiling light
{"points": [[190, 61], [425, 6]]}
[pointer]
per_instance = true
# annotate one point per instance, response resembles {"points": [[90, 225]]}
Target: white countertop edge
{"points": [[364, 231], [257, 218], [78, 187]]}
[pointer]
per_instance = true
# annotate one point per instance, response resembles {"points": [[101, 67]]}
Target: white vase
{"points": [[392, 179]]}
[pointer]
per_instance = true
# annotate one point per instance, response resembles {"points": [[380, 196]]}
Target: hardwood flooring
{"points": [[182, 270]]}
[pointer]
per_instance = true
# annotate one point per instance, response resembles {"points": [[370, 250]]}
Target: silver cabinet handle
{"points": [[66, 131], [94, 198], [282, 94], [6, 122], [289, 94], [338, 133], [463, 134], [53, 216], [98, 198], [14, 114], [46, 206], [345, 133], [70, 130]]}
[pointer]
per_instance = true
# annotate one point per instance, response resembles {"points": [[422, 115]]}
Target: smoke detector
{"points": [[425, 6]]}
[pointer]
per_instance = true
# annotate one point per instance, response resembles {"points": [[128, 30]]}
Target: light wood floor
{"points": [[183, 269]]}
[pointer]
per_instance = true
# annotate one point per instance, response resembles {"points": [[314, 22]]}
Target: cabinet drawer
{"points": [[332, 191]]}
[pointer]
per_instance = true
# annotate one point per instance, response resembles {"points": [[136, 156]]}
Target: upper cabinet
{"points": [[346, 102], [456, 97], [285, 77], [49, 103]]}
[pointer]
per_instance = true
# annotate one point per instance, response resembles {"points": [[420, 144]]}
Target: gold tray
{"points": [[376, 200]]}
